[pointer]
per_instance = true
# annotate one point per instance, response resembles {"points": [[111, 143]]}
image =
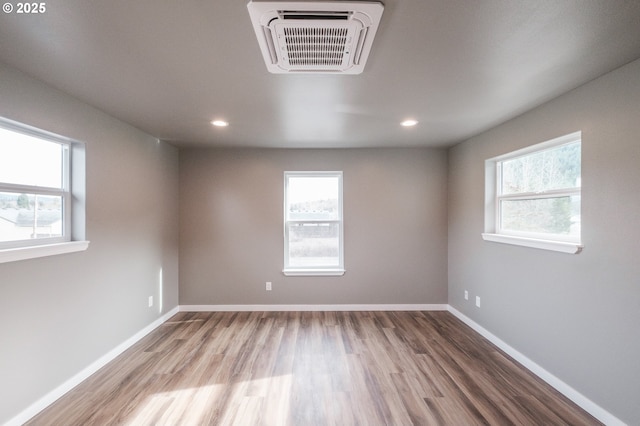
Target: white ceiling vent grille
{"points": [[315, 37]]}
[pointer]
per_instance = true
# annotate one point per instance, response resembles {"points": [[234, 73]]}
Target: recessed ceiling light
{"points": [[220, 123], [409, 123]]}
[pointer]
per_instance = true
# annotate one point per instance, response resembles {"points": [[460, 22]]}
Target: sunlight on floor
{"points": [[167, 407], [264, 400]]}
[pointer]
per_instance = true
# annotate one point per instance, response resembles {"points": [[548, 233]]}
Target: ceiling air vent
{"points": [[315, 37]]}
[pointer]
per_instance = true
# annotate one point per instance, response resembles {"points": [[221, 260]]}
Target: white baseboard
{"points": [[289, 308], [585, 403], [58, 392]]}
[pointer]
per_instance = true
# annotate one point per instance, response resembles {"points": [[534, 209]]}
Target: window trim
{"points": [[493, 197], [339, 270], [72, 192], [33, 252]]}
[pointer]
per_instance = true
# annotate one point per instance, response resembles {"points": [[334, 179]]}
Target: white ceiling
{"points": [[460, 67]]}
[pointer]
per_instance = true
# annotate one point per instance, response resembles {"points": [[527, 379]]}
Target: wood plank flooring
{"points": [[313, 368]]}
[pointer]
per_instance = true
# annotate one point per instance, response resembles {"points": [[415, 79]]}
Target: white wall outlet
{"points": [[478, 301], [150, 301], [268, 285], [466, 295]]}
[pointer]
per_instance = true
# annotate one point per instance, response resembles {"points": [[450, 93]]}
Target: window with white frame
{"points": [[313, 226], [35, 189], [534, 196]]}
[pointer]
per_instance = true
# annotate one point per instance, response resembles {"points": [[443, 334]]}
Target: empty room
{"points": [[233, 212]]}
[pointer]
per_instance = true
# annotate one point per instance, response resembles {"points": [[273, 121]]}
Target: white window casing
{"points": [[313, 224], [567, 196], [37, 207]]}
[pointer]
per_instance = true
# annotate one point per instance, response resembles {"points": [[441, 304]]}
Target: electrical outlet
{"points": [[478, 301], [268, 285], [466, 295], [150, 301]]}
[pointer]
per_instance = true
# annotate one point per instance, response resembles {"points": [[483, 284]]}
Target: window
{"points": [[313, 228], [534, 194], [35, 191]]}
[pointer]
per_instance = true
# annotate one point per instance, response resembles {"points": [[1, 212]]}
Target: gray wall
{"points": [[58, 314], [231, 207], [575, 315]]}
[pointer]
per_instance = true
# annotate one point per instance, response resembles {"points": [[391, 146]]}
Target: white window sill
{"points": [[313, 272], [23, 253], [564, 247]]}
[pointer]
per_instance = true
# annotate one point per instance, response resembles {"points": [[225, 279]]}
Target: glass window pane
{"points": [[29, 216], [554, 168], [314, 244], [27, 160], [313, 198], [558, 215]]}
